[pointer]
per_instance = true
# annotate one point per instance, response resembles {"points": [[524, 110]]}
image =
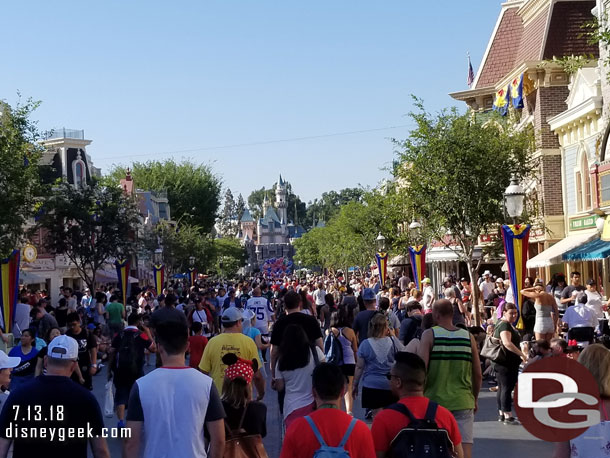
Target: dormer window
{"points": [[79, 171]]}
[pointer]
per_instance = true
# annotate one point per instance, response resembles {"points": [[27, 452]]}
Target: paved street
{"points": [[491, 437]]}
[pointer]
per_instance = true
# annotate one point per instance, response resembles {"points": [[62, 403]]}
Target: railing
{"points": [[64, 133]]}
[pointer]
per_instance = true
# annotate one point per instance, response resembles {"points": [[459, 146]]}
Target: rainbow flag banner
{"points": [[192, 275], [516, 242], [9, 288], [417, 254], [382, 266], [159, 277], [122, 272]]}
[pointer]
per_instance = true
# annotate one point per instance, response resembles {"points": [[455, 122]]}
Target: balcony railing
{"points": [[64, 133]]}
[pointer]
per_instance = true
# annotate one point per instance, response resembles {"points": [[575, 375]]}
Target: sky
{"points": [[313, 90]]}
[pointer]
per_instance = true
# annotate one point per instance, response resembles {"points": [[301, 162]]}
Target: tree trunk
{"points": [[475, 293]]}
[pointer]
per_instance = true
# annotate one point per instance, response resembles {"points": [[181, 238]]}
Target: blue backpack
{"points": [[333, 349], [326, 451]]}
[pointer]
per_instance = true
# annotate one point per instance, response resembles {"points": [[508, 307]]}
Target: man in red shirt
{"points": [[197, 343], [407, 380], [328, 389]]}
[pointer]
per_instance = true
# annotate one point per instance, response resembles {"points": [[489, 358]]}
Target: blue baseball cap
{"points": [[368, 295]]}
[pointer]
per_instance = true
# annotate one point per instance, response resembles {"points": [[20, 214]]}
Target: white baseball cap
{"points": [[8, 362], [63, 347]]}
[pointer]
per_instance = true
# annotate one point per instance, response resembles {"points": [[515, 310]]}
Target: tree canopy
{"points": [[89, 225], [19, 155], [193, 191]]}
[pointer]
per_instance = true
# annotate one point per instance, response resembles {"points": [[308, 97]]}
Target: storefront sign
{"points": [[583, 222], [40, 264]]}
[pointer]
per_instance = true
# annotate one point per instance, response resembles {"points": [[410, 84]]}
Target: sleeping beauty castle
{"points": [[272, 235]]}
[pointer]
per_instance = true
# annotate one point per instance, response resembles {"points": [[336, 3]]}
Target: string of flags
{"points": [[513, 93]]}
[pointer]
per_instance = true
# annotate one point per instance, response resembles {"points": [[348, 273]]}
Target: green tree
{"points": [[179, 243], [89, 226], [454, 171], [240, 206], [229, 257], [328, 205], [19, 155], [228, 218], [193, 191]]}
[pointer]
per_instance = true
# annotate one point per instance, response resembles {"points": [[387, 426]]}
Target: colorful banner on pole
{"points": [[122, 273], [417, 255], [501, 101], [159, 277], [9, 288], [516, 242], [382, 266], [192, 275]]}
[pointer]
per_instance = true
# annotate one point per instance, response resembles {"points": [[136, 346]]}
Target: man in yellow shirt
{"points": [[231, 341]]}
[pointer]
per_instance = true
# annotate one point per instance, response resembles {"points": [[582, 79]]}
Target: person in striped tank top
{"points": [[453, 369]]}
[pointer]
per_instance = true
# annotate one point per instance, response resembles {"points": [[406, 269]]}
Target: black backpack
{"points": [[333, 349], [127, 366], [421, 437]]}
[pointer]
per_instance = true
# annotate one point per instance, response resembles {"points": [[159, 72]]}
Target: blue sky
{"points": [[145, 79]]}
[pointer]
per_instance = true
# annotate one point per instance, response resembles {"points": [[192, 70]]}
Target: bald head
{"points": [[256, 291], [443, 308]]}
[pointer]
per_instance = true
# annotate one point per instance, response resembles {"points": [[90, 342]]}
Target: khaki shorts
{"points": [[465, 422]]}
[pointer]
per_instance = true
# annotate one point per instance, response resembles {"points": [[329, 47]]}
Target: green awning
{"points": [[595, 250]]}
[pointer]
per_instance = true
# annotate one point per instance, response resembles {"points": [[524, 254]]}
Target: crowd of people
{"points": [[321, 342]]}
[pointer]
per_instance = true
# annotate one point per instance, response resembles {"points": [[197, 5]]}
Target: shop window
{"points": [[604, 184], [582, 180]]}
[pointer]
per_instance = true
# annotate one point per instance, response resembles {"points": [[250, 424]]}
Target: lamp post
{"points": [[381, 257], [158, 270], [516, 241], [158, 256], [192, 270], [514, 197]]}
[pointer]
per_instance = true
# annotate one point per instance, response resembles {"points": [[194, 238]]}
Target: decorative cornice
{"points": [[531, 9]]}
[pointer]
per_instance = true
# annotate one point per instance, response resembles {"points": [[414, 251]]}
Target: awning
{"points": [[592, 251], [553, 254], [29, 278], [444, 254], [400, 260], [109, 276]]}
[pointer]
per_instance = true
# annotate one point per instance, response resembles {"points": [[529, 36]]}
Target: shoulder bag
{"points": [[240, 444], [494, 350]]}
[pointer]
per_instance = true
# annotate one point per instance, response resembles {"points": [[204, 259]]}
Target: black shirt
{"points": [[86, 342], [567, 293], [54, 402], [361, 324], [307, 322], [255, 421]]}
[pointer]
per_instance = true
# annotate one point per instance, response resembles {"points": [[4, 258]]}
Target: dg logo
{"points": [[557, 399]]}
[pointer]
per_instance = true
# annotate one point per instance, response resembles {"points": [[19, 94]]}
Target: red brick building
{"points": [[527, 35]]}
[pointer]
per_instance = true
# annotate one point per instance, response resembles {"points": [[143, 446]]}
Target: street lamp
{"points": [[415, 225], [191, 261], [380, 243], [514, 197], [158, 256]]}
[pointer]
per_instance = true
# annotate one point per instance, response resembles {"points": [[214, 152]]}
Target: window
{"points": [[604, 184], [584, 200], [79, 172]]}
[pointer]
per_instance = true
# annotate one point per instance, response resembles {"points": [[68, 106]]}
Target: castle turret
{"points": [[281, 200]]}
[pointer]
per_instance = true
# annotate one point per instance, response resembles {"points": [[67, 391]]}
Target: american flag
{"points": [[470, 78]]}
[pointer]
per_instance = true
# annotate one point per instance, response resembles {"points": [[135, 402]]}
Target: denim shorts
{"points": [[465, 422]]}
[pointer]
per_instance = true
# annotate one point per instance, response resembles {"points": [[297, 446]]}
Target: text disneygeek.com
{"points": [[61, 434]]}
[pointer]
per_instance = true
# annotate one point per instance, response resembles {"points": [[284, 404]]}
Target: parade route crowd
{"points": [[411, 358]]}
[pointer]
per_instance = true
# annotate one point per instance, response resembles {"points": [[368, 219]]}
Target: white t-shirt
{"points": [[594, 302], [318, 297], [174, 404], [487, 288], [298, 384], [262, 308], [201, 317], [427, 298]]}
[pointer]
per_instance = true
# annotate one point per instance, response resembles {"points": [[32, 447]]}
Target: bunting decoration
{"points": [[516, 91], [501, 101], [516, 242], [159, 277], [417, 255], [122, 273], [9, 288], [192, 275], [382, 266]]}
